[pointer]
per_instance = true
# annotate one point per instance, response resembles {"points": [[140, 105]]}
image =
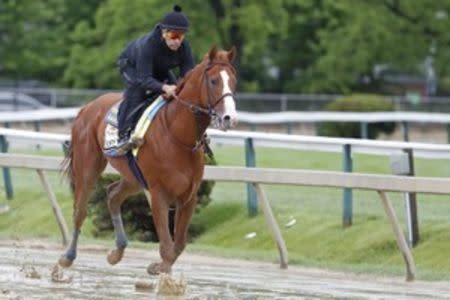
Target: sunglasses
{"points": [[174, 35]]}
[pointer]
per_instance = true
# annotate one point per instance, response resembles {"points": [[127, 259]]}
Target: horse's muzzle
{"points": [[228, 122]]}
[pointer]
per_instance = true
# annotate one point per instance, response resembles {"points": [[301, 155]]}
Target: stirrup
{"points": [[136, 141], [124, 145]]}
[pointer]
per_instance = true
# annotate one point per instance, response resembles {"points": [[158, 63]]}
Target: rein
{"points": [[197, 110], [198, 143]]}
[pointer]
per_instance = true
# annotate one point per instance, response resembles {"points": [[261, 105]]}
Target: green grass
{"points": [[320, 241], [317, 239]]}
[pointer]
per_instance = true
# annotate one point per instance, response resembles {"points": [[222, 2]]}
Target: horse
{"points": [[170, 159]]}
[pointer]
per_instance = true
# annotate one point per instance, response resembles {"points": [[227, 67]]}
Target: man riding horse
{"points": [[170, 161], [145, 66]]}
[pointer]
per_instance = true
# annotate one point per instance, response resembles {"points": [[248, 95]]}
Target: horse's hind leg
{"points": [[117, 193], [87, 165]]}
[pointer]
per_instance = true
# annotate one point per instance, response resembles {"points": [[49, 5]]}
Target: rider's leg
{"points": [[127, 116]]}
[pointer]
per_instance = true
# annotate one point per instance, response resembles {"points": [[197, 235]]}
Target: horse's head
{"points": [[214, 81], [220, 77]]}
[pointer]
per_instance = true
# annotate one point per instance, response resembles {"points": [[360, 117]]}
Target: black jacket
{"points": [[147, 61]]}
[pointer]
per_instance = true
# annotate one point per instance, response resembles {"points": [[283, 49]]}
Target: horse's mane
{"points": [[186, 76], [206, 60], [183, 80]]}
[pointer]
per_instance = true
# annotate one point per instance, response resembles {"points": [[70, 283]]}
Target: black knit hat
{"points": [[175, 20]]}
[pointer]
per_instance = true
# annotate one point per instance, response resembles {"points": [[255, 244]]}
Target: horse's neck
{"points": [[182, 124]]}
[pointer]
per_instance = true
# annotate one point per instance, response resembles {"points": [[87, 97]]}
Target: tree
{"points": [[283, 45], [34, 41], [251, 26], [361, 34], [96, 46]]}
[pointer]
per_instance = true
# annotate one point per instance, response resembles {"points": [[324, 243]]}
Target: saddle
{"points": [[110, 147]]}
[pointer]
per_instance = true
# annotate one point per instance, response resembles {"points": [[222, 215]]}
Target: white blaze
{"points": [[229, 104]]}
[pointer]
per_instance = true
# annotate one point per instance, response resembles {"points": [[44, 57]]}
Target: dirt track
{"points": [[25, 273]]}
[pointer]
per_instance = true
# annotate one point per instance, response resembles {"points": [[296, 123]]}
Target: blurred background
{"points": [[293, 54]]}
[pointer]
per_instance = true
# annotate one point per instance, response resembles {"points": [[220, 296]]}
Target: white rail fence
{"points": [[258, 118], [254, 139], [258, 176], [251, 140], [276, 140], [255, 119]]}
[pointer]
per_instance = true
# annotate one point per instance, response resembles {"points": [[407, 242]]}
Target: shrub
{"points": [[357, 103], [136, 213]]}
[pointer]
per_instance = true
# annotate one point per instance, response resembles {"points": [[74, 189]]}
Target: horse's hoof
{"points": [[65, 262], [158, 268], [114, 256]]}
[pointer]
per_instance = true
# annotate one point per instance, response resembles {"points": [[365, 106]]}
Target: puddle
{"points": [[30, 273]]}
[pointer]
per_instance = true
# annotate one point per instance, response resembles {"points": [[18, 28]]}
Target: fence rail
{"points": [[258, 176], [255, 119], [276, 140], [259, 118], [251, 140]]}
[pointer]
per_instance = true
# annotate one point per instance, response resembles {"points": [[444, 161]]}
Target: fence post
{"points": [[403, 165], [250, 161], [347, 193], [405, 128], [364, 130], [6, 172], [411, 205], [289, 128], [37, 128]]}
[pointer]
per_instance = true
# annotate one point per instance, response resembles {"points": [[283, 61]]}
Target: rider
{"points": [[145, 66]]}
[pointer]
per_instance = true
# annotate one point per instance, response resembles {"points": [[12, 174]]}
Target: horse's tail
{"points": [[66, 164]]}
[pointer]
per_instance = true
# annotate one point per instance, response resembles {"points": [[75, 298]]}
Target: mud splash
{"points": [[57, 275], [168, 286], [30, 273]]}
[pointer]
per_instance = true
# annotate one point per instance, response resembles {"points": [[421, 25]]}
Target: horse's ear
{"points": [[212, 53], [232, 54]]}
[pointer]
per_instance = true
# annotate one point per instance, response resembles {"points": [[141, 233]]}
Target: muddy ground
{"points": [[27, 272]]}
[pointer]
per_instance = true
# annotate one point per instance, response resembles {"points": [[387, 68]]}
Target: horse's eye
{"points": [[214, 81]]}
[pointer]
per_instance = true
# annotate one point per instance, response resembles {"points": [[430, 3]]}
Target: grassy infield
{"points": [[317, 238]]}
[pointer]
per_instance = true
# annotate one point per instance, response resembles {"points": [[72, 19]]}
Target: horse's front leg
{"points": [[182, 220], [160, 210]]}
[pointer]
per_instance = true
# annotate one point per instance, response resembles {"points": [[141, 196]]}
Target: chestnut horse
{"points": [[170, 159]]}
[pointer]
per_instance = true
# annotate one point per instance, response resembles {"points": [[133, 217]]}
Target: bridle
{"points": [[199, 110], [210, 109]]}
